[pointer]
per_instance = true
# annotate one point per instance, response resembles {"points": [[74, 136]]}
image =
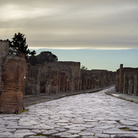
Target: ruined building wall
{"points": [[127, 80], [51, 78], [75, 67], [76, 76], [48, 78], [54, 77], [4, 49], [92, 79], [32, 84]]}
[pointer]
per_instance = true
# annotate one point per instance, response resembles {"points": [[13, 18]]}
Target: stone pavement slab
{"points": [[87, 115]]}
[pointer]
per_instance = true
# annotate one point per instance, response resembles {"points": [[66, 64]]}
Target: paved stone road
{"points": [[84, 116]]}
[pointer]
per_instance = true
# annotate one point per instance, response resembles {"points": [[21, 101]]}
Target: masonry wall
{"points": [[92, 79], [127, 80], [4, 49], [57, 77], [48, 78], [76, 76]]}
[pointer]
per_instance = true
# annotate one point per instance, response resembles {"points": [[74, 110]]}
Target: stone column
{"points": [[129, 85], [62, 82], [121, 79], [72, 83], [13, 73], [136, 84], [117, 81], [67, 85], [125, 85], [57, 83], [38, 83]]}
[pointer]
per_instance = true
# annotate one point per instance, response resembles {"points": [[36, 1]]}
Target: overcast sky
{"points": [[91, 24], [106, 25]]}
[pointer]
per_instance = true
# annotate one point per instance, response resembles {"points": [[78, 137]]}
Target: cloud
{"points": [[15, 12], [73, 23]]}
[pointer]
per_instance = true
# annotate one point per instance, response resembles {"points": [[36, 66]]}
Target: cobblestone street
{"points": [[93, 115]]}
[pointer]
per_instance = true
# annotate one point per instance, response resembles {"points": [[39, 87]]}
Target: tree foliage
{"points": [[83, 68], [45, 56], [18, 45]]}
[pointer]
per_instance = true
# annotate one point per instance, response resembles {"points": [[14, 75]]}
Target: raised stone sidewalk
{"points": [[127, 97]]}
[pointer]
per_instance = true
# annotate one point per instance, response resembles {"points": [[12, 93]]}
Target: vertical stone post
{"points": [[14, 71], [121, 79], [67, 84], [136, 84], [125, 84], [63, 82], [72, 83], [130, 85], [38, 83], [117, 81], [57, 83]]}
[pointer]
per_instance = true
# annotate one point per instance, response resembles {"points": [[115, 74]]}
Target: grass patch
{"points": [[125, 129], [23, 111], [40, 135]]}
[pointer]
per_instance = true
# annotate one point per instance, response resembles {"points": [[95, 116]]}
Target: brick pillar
{"points": [[14, 71]]}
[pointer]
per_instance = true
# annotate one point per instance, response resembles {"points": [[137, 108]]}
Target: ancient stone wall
{"points": [[127, 80], [48, 78], [51, 78], [92, 79], [76, 77], [75, 67], [32, 86], [4, 50]]}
